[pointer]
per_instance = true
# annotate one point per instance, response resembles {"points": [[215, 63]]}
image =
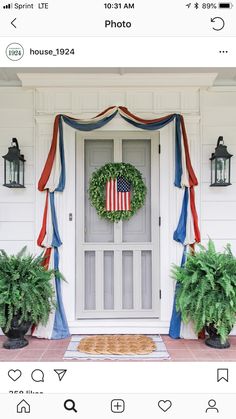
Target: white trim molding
{"points": [[117, 80]]}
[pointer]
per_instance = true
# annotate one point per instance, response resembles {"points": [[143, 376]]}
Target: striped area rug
{"points": [[160, 354]]}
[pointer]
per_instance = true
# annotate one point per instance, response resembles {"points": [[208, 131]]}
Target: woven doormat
{"points": [[158, 353], [117, 345]]}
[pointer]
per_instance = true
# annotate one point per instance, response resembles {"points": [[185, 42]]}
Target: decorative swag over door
{"points": [[53, 180]]}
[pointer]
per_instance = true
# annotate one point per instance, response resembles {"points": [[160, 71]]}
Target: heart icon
{"points": [[164, 405], [14, 374]]}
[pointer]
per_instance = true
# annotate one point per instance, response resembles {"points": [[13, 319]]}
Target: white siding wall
{"points": [[218, 205], [17, 207]]}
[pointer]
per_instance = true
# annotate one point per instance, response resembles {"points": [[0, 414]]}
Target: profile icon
{"points": [[212, 406]]}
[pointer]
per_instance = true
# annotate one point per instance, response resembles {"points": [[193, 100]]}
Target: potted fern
{"points": [[26, 295], [206, 294]]}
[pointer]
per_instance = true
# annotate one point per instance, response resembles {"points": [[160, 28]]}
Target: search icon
{"points": [[70, 405]]}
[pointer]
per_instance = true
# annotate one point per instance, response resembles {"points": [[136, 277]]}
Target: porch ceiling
{"points": [[225, 76]]}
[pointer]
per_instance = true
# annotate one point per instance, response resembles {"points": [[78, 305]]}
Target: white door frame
{"points": [[169, 251]]}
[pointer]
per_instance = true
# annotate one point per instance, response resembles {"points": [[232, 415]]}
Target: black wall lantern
{"points": [[14, 167], [220, 165]]}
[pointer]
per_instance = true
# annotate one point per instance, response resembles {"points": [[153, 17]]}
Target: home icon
{"points": [[23, 407]]}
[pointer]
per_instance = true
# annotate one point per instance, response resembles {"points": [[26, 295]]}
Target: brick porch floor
{"points": [[179, 350]]}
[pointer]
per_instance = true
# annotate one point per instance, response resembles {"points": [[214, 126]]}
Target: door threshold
{"points": [[136, 326]]}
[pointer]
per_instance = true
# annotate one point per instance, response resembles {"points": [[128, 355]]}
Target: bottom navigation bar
{"points": [[136, 406]]}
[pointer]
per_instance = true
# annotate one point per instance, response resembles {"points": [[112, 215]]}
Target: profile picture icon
{"points": [[14, 51]]}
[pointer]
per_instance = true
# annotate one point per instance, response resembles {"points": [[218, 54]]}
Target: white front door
{"points": [[117, 264]]}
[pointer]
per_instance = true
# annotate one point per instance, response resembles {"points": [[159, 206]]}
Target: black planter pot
{"points": [[16, 334], [214, 339]]}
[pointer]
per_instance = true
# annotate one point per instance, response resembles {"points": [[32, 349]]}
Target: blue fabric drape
{"points": [[180, 232], [178, 153], [88, 127], [62, 180], [56, 240], [150, 126], [60, 327], [175, 323]]}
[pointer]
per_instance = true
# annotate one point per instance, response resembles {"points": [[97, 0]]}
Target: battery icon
{"points": [[225, 5]]}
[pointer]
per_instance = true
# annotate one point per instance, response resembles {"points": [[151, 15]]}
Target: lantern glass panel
{"points": [[227, 170], [21, 173], [14, 172], [213, 171], [7, 172], [222, 170]]}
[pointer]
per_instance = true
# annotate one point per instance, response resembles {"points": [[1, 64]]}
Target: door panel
{"points": [[108, 280], [146, 280], [90, 287], [127, 280], [117, 263], [97, 153], [138, 153]]}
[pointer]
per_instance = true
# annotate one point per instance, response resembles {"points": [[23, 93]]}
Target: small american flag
{"points": [[118, 194]]}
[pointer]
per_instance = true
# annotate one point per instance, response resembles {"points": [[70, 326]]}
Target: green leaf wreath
{"points": [[112, 171]]}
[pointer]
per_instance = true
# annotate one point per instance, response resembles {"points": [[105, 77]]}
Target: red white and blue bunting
{"points": [[53, 180]]}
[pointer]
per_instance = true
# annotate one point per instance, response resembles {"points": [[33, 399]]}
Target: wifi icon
{"points": [[8, 6]]}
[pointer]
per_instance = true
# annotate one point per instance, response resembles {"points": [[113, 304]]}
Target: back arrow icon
{"points": [[12, 22], [222, 23]]}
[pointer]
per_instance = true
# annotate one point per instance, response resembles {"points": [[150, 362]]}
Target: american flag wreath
{"points": [[117, 191]]}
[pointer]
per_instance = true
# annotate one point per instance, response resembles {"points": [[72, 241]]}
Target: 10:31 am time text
{"points": [[119, 5]]}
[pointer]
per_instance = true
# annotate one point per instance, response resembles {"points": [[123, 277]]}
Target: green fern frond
{"points": [[25, 288], [206, 292]]}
